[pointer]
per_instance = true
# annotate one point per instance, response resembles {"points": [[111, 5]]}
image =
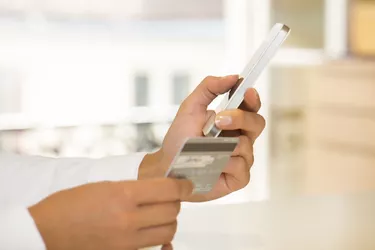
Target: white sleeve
{"points": [[18, 230], [25, 180]]}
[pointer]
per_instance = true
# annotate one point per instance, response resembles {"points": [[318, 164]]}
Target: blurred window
{"points": [[182, 9], [181, 85], [141, 82], [146, 140]]}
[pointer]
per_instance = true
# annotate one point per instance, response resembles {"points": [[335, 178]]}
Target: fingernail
{"points": [[188, 190], [230, 76], [223, 120]]}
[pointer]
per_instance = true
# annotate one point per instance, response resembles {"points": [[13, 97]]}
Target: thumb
{"points": [[209, 89]]}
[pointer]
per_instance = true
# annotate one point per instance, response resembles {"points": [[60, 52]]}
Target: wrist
{"points": [[151, 166]]}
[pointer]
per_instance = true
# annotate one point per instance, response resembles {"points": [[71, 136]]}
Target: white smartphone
{"points": [[251, 73]]}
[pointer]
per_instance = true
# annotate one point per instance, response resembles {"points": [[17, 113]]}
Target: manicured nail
{"points": [[188, 189], [230, 76], [223, 120]]}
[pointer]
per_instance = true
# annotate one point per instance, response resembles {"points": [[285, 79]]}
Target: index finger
{"points": [[209, 89], [162, 190]]}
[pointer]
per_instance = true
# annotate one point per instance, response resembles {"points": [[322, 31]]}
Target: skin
{"points": [[244, 123], [135, 214], [112, 215]]}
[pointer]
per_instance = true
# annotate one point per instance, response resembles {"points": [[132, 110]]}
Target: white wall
{"points": [[90, 73], [71, 73]]}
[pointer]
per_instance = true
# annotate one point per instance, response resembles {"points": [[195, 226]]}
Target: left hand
{"points": [[244, 123]]}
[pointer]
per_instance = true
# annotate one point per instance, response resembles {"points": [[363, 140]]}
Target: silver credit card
{"points": [[202, 161]]}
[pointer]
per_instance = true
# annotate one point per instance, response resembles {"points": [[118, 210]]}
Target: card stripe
{"points": [[209, 147]]}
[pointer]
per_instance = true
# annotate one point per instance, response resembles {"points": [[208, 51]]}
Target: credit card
{"points": [[202, 161]]}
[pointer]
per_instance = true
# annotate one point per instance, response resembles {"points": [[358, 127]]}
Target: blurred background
{"points": [[94, 78]]}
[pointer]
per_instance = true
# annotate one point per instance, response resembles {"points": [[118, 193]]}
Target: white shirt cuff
{"points": [[18, 230], [116, 168]]}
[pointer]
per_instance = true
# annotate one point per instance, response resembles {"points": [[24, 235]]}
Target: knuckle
{"points": [[128, 196], [259, 103], [171, 231], [176, 208], [184, 105], [174, 188], [262, 121], [180, 186], [241, 145], [249, 161], [246, 179], [252, 160], [245, 149], [245, 175], [208, 78], [172, 210]]}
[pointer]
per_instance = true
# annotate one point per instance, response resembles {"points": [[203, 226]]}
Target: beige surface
{"points": [[290, 220], [362, 25], [331, 171], [331, 222], [346, 84], [339, 128]]}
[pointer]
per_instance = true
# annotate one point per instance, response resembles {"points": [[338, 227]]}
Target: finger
{"points": [[231, 133], [251, 101], [162, 190], [245, 150], [237, 174], [157, 236], [236, 119], [157, 215], [209, 89], [167, 247]]}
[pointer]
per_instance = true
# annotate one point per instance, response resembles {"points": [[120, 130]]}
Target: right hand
{"points": [[112, 215]]}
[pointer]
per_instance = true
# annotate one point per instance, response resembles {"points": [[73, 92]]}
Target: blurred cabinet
{"points": [[340, 128], [323, 115], [362, 27], [288, 92], [288, 96], [306, 18]]}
